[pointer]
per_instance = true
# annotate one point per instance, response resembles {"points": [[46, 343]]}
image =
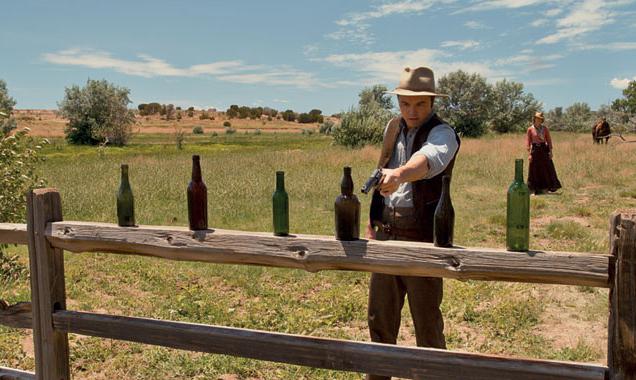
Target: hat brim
{"points": [[403, 92]]}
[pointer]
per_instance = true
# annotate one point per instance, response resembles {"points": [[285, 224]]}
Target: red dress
{"points": [[541, 173]]}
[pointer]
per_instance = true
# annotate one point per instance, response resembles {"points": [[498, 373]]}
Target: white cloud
{"points": [[501, 4], [553, 12], [621, 83], [612, 46], [354, 26], [463, 44], [147, 66], [526, 62], [476, 25], [584, 17], [539, 22], [385, 67]]}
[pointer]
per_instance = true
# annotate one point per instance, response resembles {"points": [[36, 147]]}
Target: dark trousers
{"points": [[386, 299]]}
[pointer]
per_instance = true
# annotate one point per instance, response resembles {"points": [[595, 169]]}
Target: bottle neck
{"points": [[124, 174], [519, 170], [196, 169], [346, 186], [280, 181], [445, 187]]}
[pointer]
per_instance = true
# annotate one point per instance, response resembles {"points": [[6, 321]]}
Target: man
{"points": [[418, 148]]}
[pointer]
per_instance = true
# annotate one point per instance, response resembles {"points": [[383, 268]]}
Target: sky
{"points": [[300, 54]]}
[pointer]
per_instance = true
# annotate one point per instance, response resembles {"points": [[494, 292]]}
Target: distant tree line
{"points": [[244, 112]]}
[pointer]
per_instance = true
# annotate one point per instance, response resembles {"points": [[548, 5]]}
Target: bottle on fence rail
{"points": [[197, 198], [518, 212], [444, 220], [347, 210], [280, 208], [125, 201]]}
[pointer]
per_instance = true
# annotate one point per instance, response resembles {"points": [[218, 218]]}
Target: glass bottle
{"points": [[444, 219], [197, 198], [347, 210], [280, 208], [518, 212], [125, 201]]}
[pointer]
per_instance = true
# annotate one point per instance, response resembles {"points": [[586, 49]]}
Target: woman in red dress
{"points": [[541, 173]]}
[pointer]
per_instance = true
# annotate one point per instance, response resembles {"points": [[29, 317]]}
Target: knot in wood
{"points": [[454, 262]]}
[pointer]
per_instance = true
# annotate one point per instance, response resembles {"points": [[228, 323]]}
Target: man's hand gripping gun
{"points": [[373, 181]]}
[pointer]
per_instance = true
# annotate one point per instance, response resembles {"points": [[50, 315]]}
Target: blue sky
{"points": [[312, 54]]}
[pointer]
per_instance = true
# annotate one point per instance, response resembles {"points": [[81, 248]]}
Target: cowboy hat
{"points": [[416, 82], [539, 115]]}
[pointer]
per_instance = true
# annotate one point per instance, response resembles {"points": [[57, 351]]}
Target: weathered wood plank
{"points": [[47, 286], [382, 359], [17, 316], [314, 253], [13, 233], [622, 326], [15, 374]]}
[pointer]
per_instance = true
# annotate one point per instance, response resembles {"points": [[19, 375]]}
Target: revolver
{"points": [[373, 181]]}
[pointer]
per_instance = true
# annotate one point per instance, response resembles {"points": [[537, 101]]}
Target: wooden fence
{"points": [[47, 235]]}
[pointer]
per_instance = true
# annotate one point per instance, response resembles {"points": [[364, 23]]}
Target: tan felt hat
{"points": [[416, 82]]}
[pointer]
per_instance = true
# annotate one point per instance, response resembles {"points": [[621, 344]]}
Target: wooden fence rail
{"points": [[47, 236]]}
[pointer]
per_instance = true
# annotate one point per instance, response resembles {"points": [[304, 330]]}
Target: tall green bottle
{"points": [[280, 202], [125, 201], [518, 213], [347, 210]]}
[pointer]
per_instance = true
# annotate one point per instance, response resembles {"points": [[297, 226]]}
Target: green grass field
{"points": [[538, 321]]}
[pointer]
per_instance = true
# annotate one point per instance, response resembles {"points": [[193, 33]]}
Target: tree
{"points": [[628, 103], [578, 117], [468, 103], [7, 123], [97, 113], [511, 109], [376, 94], [363, 125], [170, 112], [289, 115], [554, 118]]}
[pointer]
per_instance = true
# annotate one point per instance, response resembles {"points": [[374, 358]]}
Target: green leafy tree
{"points": [[376, 94], [289, 115], [554, 118], [97, 113], [468, 104], [511, 108], [578, 117], [628, 103], [7, 122]]}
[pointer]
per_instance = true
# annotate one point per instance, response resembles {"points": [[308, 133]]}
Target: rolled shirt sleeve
{"points": [[439, 149]]}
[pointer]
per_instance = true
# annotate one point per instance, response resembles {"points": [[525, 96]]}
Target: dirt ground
{"points": [[47, 123]]}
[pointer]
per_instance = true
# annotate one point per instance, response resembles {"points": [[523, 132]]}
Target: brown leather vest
{"points": [[426, 192]]}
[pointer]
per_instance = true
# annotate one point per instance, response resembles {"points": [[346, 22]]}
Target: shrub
{"points": [[98, 112], [229, 131], [197, 130], [227, 124], [257, 132], [204, 115], [326, 127], [179, 138], [361, 126]]}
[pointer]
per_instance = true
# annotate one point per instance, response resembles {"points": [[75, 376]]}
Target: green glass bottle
{"points": [[518, 212], [280, 202], [444, 219], [347, 210], [125, 201]]}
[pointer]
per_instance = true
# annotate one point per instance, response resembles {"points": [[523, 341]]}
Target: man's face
{"points": [[415, 109]]}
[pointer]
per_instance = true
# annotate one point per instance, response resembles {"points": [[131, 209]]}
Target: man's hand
{"points": [[390, 182], [370, 232]]}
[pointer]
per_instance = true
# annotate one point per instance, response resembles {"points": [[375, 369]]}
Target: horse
{"points": [[601, 130]]}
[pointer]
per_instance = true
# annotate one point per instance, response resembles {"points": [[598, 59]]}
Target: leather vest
{"points": [[426, 192]]}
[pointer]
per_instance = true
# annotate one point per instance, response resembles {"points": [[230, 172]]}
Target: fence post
{"points": [[621, 353], [47, 286]]}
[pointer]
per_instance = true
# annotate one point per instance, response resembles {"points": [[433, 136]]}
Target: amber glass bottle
{"points": [[347, 209], [197, 198]]}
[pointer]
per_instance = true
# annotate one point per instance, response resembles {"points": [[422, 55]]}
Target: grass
{"points": [[502, 318]]}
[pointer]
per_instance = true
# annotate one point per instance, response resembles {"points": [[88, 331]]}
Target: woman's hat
{"points": [[539, 115], [416, 82]]}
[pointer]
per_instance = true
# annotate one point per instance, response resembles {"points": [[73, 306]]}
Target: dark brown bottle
{"points": [[444, 220], [197, 198], [347, 210]]}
